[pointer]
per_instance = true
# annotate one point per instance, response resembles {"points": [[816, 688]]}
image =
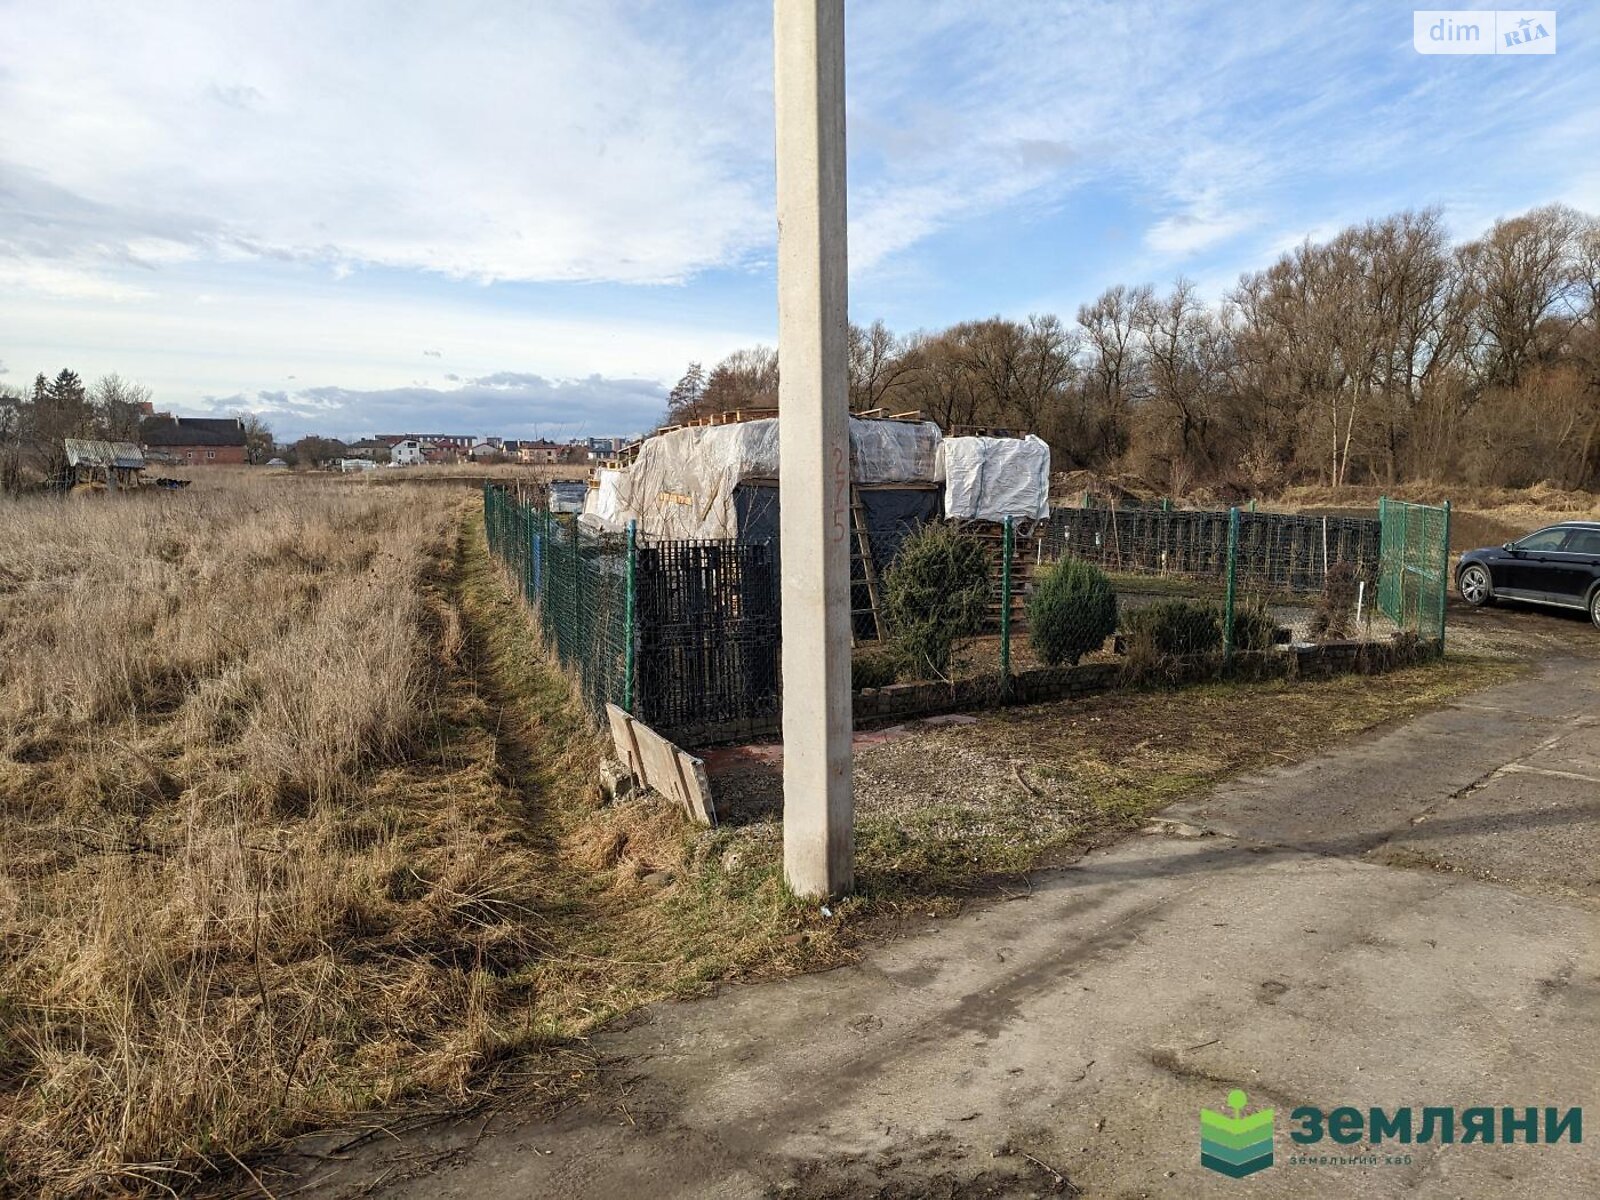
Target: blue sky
{"points": [[525, 218]]}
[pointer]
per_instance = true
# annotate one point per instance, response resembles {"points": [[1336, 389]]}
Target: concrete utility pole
{"points": [[814, 446]]}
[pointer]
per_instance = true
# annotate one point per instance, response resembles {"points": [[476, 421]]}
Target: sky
{"points": [[525, 218]]}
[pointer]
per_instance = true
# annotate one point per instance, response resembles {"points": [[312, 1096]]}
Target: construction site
{"points": [[657, 583]]}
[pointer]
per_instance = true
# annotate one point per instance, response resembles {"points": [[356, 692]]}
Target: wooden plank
{"points": [[694, 786], [663, 767], [622, 737]]}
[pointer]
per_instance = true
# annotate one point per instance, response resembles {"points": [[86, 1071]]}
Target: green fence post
{"points": [[574, 586], [1233, 572], [549, 564], [528, 540], [1444, 576], [628, 617], [1405, 558], [1007, 545], [1381, 585]]}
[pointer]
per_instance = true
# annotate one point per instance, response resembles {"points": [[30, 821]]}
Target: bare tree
{"points": [[1186, 349], [879, 366], [1380, 354], [745, 379], [13, 423], [258, 443], [1520, 273], [118, 406], [940, 384], [1115, 371]]}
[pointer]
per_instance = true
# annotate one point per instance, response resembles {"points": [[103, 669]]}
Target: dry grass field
{"points": [[295, 824], [199, 688], [1480, 516], [298, 823]]}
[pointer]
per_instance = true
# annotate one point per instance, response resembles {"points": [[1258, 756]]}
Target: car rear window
{"points": [[1584, 541]]}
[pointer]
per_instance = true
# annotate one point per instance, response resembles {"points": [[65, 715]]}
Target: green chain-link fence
{"points": [[578, 585], [1414, 572], [686, 634], [1197, 584]]}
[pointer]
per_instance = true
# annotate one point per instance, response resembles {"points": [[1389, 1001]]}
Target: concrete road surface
{"points": [[1411, 921]]}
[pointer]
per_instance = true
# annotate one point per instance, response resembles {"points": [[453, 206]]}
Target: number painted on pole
{"points": [[841, 495]]}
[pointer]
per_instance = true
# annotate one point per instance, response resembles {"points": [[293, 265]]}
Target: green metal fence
{"points": [[1273, 578], [686, 634], [1414, 566], [579, 585]]}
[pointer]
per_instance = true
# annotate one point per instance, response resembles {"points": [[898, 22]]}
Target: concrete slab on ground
{"points": [[1067, 1039], [1503, 786]]}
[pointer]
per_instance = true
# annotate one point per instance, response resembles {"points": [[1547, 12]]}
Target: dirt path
{"points": [[1413, 921]]}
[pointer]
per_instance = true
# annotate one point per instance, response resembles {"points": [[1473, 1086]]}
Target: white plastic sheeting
{"points": [[990, 479], [568, 496], [603, 500], [894, 452], [681, 484]]}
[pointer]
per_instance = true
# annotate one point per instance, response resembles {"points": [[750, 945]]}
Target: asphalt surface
{"points": [[1413, 920]]}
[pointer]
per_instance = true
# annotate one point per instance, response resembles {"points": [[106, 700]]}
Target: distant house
{"points": [[372, 449], [461, 442], [483, 450], [601, 447], [194, 441], [541, 453], [439, 455], [406, 453]]}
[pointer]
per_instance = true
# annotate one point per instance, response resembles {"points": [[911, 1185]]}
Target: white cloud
{"points": [[1187, 233], [510, 404], [960, 111], [66, 282], [592, 139], [165, 166], [300, 329], [554, 141]]}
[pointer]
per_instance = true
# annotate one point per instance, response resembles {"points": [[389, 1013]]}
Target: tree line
{"points": [[1383, 355], [33, 424]]}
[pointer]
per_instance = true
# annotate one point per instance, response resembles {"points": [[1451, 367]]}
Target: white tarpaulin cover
{"points": [[989, 479], [603, 500], [681, 484]]}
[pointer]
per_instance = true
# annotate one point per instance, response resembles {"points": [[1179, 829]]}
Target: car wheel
{"points": [[1473, 584], [1594, 607]]}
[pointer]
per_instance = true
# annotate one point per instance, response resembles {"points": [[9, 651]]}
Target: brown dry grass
{"points": [[1542, 497], [944, 810], [231, 478], [294, 823], [225, 909], [1480, 516]]}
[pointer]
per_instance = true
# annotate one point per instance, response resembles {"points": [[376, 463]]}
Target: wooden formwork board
{"points": [[662, 767]]}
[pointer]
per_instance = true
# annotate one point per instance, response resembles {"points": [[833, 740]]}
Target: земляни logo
{"points": [[1236, 1145]]}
